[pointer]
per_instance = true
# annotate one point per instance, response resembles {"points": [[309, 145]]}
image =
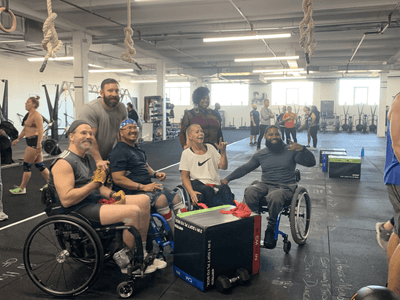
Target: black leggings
{"points": [[282, 129], [313, 133], [291, 131], [207, 192]]}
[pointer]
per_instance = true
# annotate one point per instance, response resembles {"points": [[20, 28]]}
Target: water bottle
{"points": [[362, 152]]}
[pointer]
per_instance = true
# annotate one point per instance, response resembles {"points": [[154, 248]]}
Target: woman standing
{"points": [[289, 118], [314, 127], [202, 115], [306, 125], [33, 133]]}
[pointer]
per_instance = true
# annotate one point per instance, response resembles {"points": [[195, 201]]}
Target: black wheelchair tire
{"points": [[37, 273], [300, 200]]}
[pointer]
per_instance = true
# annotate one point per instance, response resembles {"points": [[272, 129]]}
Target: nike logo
{"points": [[200, 164]]}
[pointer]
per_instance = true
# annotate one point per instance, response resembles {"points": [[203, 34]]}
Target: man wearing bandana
{"points": [[278, 163], [104, 116], [132, 174]]}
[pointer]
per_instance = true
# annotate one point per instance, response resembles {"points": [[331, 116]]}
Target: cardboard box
{"points": [[344, 167], [325, 158], [208, 244], [328, 149]]}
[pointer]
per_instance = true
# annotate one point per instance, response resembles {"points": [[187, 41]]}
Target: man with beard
{"points": [[104, 116], [278, 163], [78, 186]]}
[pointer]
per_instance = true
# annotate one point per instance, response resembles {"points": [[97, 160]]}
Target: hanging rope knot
{"points": [[307, 40], [130, 51], [50, 42]]}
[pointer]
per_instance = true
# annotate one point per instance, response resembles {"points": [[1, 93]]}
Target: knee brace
{"points": [[27, 167], [40, 166]]}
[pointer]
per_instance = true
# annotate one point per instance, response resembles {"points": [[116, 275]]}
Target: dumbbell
{"points": [[224, 283]]}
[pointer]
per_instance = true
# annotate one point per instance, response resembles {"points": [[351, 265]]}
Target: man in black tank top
{"points": [[79, 187]]}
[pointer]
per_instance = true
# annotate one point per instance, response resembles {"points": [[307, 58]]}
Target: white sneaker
{"points": [[121, 258], [3, 216], [312, 149], [158, 263]]}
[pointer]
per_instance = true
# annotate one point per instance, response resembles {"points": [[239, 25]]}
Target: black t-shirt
{"points": [[132, 160]]}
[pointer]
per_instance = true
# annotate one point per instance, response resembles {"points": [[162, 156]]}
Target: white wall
{"points": [[25, 80]]}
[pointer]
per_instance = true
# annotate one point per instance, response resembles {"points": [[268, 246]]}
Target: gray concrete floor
{"points": [[341, 254]]}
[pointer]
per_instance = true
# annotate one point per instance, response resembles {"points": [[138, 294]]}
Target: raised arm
{"points": [[251, 165], [304, 156]]}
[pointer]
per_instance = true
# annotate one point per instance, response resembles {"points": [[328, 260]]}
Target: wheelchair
{"points": [[63, 254], [184, 194], [299, 213]]}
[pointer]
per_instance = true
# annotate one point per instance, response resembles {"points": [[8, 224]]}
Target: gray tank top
{"points": [[83, 168]]}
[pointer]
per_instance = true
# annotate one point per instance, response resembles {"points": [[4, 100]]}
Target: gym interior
{"points": [[349, 69]]}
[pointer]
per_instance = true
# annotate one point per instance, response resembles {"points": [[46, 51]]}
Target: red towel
{"points": [[241, 210], [105, 201]]}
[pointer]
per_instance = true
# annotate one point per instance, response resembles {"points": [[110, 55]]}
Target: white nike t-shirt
{"points": [[201, 167]]}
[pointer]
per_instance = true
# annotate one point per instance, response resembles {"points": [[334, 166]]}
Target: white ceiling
{"points": [[173, 30]]}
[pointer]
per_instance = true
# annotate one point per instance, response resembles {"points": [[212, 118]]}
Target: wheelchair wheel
{"points": [[180, 189], [63, 255], [300, 216], [161, 235]]}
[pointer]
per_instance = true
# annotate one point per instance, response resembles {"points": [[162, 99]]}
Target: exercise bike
{"points": [[337, 123], [323, 123], [359, 126], [345, 126], [373, 127]]}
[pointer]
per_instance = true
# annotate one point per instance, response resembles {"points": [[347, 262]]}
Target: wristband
{"points": [[138, 187], [111, 194], [155, 174]]}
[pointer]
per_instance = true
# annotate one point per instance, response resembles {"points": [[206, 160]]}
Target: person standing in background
{"points": [[254, 125], [314, 125], [280, 123], [265, 120], [132, 114], [290, 118]]}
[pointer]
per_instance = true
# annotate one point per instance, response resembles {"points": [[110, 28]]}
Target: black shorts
{"points": [[32, 141], [91, 212], [254, 130]]}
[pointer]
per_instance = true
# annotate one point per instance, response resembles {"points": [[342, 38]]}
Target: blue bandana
{"points": [[126, 122]]}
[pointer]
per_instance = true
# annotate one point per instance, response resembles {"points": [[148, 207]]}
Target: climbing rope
{"points": [[307, 40], [130, 51], [50, 41], [14, 21]]}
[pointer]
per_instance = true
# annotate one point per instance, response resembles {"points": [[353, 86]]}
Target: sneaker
{"points": [[308, 146], [269, 239], [121, 258], [3, 216], [382, 235], [45, 186], [18, 191], [312, 148], [157, 263], [258, 149]]}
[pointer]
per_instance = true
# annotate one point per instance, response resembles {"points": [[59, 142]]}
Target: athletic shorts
{"points": [[254, 130], [91, 212], [32, 141], [155, 195], [394, 197]]}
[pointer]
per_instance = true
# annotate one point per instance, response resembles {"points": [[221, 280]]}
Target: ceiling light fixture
{"points": [[266, 58], [95, 66], [111, 71], [278, 70], [13, 41], [246, 38], [284, 78], [57, 58]]}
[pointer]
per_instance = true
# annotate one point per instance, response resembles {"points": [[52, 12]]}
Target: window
{"points": [[178, 92], [229, 94], [286, 93], [359, 91]]}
